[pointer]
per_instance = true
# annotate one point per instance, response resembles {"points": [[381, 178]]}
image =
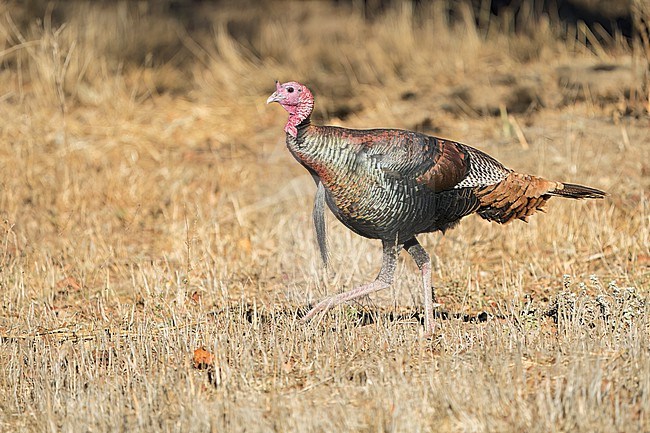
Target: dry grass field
{"points": [[149, 208]]}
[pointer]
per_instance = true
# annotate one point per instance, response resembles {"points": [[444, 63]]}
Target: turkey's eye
{"points": [[290, 89]]}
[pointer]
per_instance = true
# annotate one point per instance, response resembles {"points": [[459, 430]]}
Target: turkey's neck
{"points": [[319, 150], [295, 123], [298, 115], [299, 139]]}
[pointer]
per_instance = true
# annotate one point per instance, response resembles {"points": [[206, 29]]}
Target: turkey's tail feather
{"points": [[518, 196], [572, 190]]}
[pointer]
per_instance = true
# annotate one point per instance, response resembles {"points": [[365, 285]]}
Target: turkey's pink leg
{"points": [[423, 261], [383, 280]]}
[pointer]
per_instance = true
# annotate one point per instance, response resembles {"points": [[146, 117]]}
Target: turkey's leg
{"points": [[422, 259], [383, 280]]}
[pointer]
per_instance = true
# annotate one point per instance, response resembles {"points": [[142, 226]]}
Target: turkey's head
{"points": [[297, 100]]}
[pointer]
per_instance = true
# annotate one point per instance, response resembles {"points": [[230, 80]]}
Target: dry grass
{"points": [[149, 208]]}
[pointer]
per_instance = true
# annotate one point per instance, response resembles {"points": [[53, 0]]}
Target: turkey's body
{"points": [[379, 189], [391, 185]]}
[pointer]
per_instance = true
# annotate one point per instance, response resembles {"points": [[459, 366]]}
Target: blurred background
{"points": [[199, 48], [136, 132]]}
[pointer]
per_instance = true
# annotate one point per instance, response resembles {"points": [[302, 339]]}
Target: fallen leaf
{"points": [[203, 359]]}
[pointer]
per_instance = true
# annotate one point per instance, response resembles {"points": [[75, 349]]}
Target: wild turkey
{"points": [[392, 184]]}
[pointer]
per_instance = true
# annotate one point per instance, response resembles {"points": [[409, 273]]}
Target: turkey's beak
{"points": [[275, 97]]}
